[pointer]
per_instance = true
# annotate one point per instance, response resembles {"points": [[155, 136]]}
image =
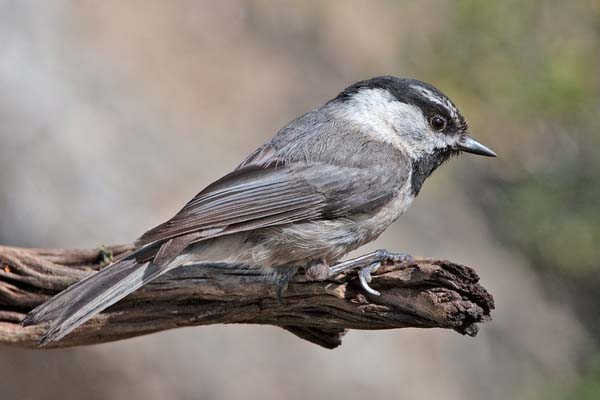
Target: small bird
{"points": [[328, 182]]}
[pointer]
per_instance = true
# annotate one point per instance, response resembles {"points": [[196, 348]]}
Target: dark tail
{"points": [[72, 307]]}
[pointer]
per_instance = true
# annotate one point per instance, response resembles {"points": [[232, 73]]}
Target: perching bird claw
{"points": [[364, 275], [370, 263]]}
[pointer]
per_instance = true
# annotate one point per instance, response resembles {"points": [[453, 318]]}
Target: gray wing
{"points": [[256, 196]]}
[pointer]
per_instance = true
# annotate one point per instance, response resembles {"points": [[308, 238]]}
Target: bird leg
{"points": [[367, 264], [282, 277], [317, 270]]}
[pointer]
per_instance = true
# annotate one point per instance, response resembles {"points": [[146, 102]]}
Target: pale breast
{"points": [[370, 226]]}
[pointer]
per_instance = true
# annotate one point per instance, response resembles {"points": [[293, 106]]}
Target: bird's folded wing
{"points": [[255, 196]]}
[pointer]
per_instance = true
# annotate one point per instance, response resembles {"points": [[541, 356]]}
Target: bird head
{"points": [[413, 116], [410, 114]]}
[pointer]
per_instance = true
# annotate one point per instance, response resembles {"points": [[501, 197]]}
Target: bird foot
{"points": [[368, 264], [364, 275]]}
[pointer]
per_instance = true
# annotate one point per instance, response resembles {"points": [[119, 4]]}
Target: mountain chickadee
{"points": [[328, 182]]}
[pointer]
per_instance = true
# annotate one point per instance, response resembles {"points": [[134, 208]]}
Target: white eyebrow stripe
{"points": [[429, 95]]}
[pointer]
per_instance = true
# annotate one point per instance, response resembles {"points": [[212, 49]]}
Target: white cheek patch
{"points": [[385, 119]]}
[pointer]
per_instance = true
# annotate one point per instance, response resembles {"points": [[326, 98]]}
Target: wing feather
{"points": [[257, 196]]}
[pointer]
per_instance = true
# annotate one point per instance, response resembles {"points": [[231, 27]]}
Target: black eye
{"points": [[438, 123]]}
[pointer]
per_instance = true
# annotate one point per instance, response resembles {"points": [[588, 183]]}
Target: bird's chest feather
{"points": [[370, 226]]}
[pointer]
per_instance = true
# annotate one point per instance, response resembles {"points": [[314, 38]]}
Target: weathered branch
{"points": [[422, 294]]}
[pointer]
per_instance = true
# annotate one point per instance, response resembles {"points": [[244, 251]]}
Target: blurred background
{"points": [[113, 114]]}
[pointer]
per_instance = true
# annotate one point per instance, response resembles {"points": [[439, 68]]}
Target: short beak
{"points": [[470, 145]]}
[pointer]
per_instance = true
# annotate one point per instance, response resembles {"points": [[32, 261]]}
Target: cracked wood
{"points": [[421, 294]]}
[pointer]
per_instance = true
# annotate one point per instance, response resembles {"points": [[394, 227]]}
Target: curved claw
{"points": [[364, 275]]}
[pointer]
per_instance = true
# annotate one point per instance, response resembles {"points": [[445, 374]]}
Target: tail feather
{"points": [[81, 301], [52, 309]]}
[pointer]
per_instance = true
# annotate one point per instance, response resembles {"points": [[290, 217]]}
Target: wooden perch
{"points": [[421, 294]]}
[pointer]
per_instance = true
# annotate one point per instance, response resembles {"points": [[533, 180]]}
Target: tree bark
{"points": [[420, 294]]}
